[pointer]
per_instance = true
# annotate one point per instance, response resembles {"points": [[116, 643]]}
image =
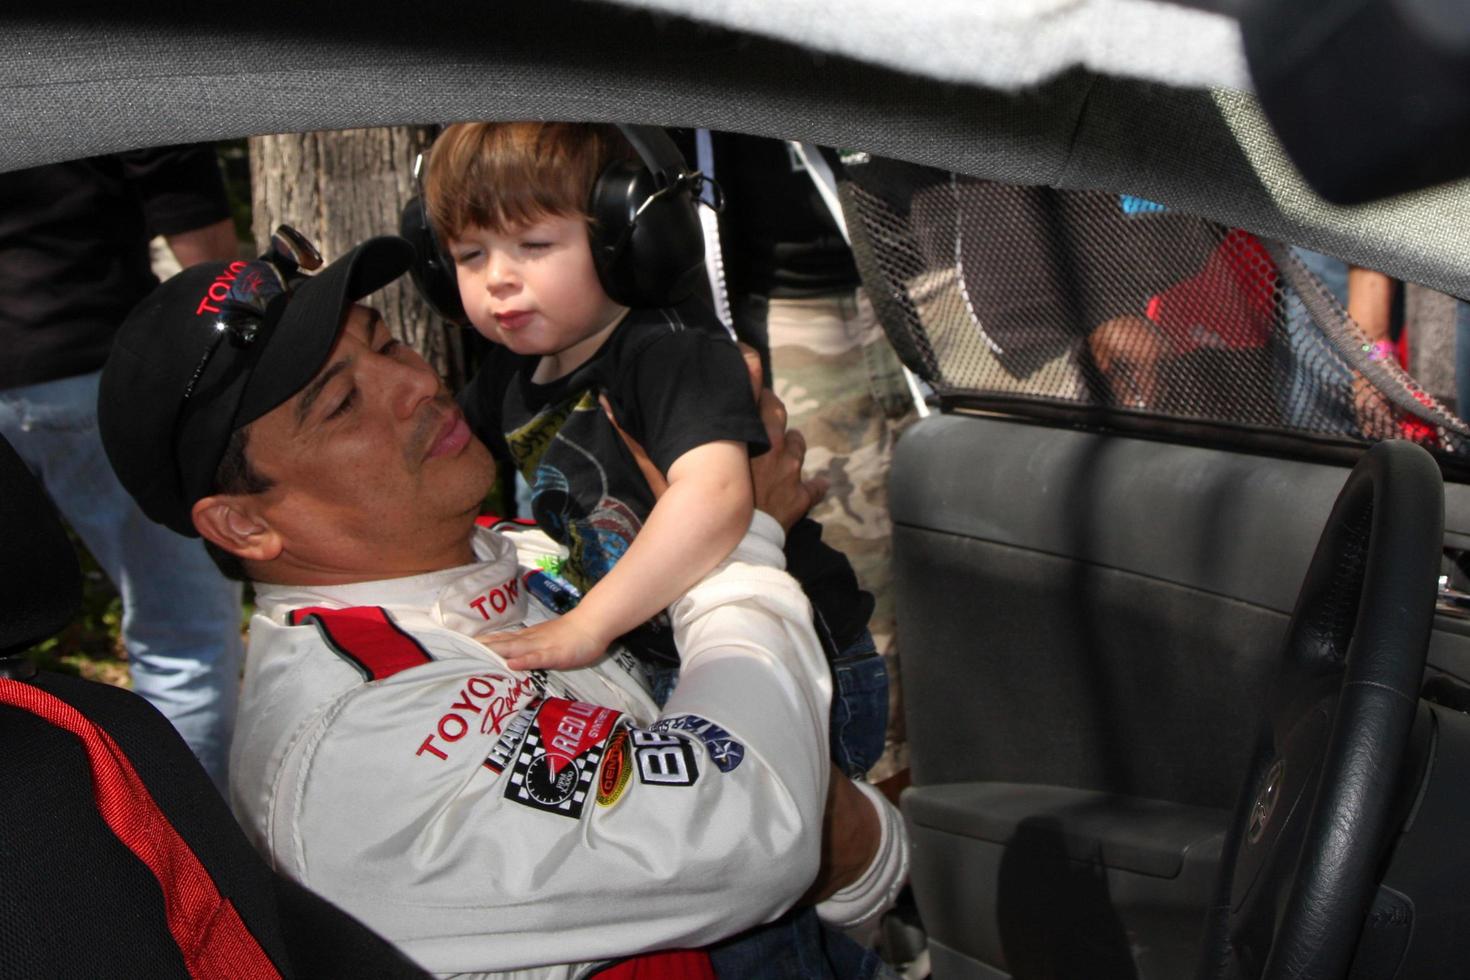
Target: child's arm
{"points": [[695, 524]]}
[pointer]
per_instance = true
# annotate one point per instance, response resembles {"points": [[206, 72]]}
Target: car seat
{"points": [[118, 857]]}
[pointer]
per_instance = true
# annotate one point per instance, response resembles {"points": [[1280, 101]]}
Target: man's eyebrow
{"points": [[312, 391]]}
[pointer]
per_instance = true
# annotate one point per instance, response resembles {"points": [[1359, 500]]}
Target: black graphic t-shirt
{"points": [[672, 387]]}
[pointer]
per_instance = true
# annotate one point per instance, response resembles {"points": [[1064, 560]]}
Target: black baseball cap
{"points": [[214, 348]]}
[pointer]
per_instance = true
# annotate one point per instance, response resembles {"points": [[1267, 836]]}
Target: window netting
{"points": [[1099, 300]]}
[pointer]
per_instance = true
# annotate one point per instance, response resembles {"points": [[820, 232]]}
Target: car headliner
{"points": [[88, 77]]}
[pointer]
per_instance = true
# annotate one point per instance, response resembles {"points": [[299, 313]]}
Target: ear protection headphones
{"points": [[647, 242]]}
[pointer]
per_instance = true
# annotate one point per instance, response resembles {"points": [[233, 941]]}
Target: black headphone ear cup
{"points": [[432, 270], [648, 247]]}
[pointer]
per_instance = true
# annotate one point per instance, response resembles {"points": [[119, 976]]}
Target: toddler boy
{"points": [[509, 201]]}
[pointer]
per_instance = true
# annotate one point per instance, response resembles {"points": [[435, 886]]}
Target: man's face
{"points": [[376, 474]]}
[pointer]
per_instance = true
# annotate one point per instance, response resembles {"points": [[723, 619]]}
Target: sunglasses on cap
{"points": [[241, 313]]}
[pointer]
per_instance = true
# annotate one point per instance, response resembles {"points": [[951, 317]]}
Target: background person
{"points": [[74, 259], [795, 294]]}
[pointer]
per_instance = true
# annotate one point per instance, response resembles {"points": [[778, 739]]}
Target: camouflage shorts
{"points": [[844, 389]]}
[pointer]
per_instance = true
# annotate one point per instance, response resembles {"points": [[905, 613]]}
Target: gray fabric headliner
{"points": [[999, 43], [86, 77]]}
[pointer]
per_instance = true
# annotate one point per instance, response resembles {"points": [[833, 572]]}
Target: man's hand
{"points": [[1375, 416], [779, 489], [651, 475], [563, 643]]}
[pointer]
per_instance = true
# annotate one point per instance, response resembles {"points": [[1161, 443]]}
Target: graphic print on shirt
{"points": [[559, 754], [563, 476]]}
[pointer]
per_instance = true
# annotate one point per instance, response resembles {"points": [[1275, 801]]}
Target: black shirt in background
{"points": [[780, 239], [74, 250]]}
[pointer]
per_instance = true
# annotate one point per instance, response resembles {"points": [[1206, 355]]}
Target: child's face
{"points": [[534, 288]]}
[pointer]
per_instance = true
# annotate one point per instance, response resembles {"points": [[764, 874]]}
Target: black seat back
{"points": [[118, 857]]}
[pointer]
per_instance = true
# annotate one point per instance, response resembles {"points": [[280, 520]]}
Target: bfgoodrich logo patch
{"points": [[664, 758]]}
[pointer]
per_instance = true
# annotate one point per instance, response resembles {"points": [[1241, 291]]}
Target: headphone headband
{"points": [[657, 151]]}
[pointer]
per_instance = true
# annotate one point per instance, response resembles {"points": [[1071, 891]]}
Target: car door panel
{"points": [[1089, 624]]}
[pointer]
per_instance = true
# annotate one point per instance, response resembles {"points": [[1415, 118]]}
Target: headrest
{"points": [[40, 583]]}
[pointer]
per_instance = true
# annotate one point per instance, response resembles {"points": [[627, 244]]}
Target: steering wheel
{"points": [[1305, 849]]}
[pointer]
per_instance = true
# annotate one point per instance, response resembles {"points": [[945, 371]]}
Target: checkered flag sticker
{"points": [[554, 784]]}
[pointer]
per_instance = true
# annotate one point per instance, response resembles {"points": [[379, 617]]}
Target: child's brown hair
{"points": [[503, 175]]}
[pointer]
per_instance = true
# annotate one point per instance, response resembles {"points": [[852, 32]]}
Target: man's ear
{"points": [[232, 522]]}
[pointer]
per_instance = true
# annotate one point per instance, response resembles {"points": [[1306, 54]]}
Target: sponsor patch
{"points": [[624, 659], [509, 742], [616, 771], [664, 758], [487, 701], [559, 755], [724, 751]]}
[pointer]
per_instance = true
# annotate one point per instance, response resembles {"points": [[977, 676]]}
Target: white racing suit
{"points": [[536, 824]]}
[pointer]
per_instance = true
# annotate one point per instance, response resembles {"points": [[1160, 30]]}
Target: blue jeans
{"points": [[1331, 272], [859, 720], [181, 617], [796, 946]]}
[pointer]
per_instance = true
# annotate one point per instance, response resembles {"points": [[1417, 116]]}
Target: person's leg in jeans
{"points": [[1315, 381], [181, 617], [1330, 272]]}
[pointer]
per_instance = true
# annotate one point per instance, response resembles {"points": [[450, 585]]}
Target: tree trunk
{"points": [[339, 188]]}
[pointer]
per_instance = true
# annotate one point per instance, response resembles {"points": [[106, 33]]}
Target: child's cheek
{"points": [[472, 298], [481, 318]]}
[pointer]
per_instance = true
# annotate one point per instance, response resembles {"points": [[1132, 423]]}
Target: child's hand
{"points": [[560, 644]]}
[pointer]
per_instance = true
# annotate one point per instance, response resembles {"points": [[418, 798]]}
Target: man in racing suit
{"points": [[487, 821]]}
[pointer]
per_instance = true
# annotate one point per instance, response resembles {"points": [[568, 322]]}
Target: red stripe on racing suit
{"points": [[365, 636]]}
